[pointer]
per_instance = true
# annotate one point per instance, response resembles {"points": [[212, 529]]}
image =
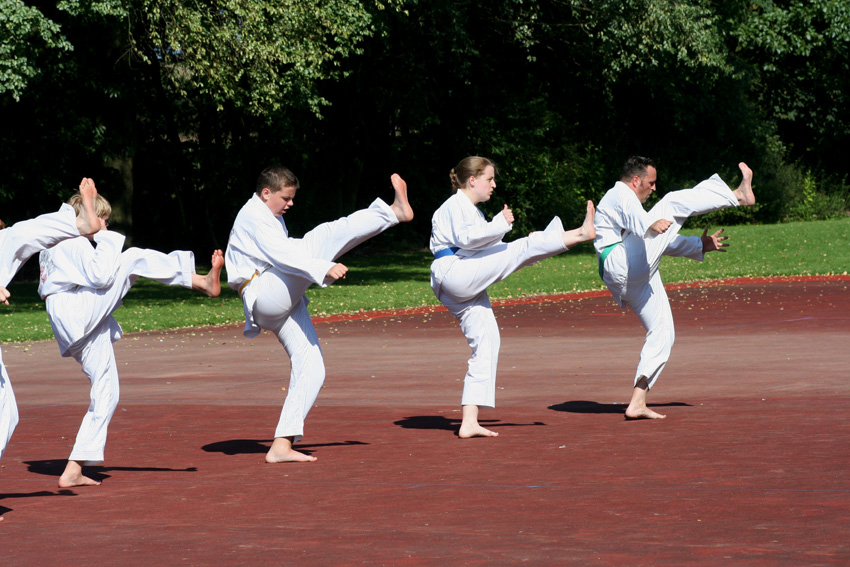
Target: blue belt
{"points": [[445, 252], [604, 254]]}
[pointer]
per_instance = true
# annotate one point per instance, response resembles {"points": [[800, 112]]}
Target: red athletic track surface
{"points": [[749, 468]]}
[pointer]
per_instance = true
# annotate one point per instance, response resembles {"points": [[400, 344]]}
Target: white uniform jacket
{"points": [[619, 211], [69, 266], [259, 241], [460, 223]]}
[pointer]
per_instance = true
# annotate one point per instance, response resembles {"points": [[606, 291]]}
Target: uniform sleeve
{"points": [[99, 266], [469, 229], [632, 215], [290, 256]]}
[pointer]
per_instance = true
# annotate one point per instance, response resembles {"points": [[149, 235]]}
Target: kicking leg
{"points": [[744, 192], [331, 240], [210, 284], [470, 276], [401, 206], [88, 221], [583, 233]]}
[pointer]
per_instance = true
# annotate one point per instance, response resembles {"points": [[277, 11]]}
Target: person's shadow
{"points": [[586, 406], [252, 446], [55, 467], [39, 494], [446, 424]]}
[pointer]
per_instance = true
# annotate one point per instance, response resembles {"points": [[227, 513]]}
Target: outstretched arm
{"points": [[714, 242]]}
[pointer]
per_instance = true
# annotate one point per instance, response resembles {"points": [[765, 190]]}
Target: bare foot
{"points": [[637, 405], [744, 193], [401, 205], [469, 426], [282, 452], [583, 233], [642, 413], [87, 221], [210, 284], [468, 431], [73, 476]]}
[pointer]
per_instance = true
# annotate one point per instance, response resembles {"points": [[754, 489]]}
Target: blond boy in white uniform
{"points": [[17, 244], [82, 286], [630, 242], [272, 271]]}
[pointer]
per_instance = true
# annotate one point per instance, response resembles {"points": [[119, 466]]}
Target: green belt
{"points": [[604, 254]]}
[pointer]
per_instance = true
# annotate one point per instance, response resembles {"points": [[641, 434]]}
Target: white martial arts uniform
{"points": [[630, 269], [17, 244], [460, 280], [82, 287], [272, 272]]}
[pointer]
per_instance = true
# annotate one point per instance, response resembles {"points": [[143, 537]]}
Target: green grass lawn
{"points": [[398, 280]]}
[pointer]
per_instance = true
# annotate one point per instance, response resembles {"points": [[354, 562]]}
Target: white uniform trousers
{"points": [[281, 308], [462, 288], [17, 244], [631, 270], [93, 310]]}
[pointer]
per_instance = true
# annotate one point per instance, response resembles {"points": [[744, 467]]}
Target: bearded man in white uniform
{"points": [[17, 244], [272, 271], [630, 242]]}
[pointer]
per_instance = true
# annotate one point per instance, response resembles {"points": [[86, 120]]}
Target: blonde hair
{"points": [[102, 208], [471, 166]]}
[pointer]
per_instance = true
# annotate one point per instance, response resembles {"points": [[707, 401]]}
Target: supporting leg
{"points": [[97, 359], [8, 408], [481, 330], [298, 337], [653, 309]]}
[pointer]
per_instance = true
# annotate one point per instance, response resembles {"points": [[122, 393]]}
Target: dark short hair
{"points": [[276, 178], [636, 165]]}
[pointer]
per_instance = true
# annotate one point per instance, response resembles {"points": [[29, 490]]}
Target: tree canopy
{"points": [[175, 106]]}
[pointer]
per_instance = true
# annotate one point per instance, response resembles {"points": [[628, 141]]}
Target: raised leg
{"points": [[210, 284]]}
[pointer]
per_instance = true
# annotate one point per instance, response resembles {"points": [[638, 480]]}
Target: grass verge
{"points": [[398, 280]]}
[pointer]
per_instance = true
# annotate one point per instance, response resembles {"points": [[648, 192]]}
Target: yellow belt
{"points": [[246, 282]]}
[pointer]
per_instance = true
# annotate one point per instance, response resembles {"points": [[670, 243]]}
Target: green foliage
{"points": [[24, 31], [813, 203], [800, 55], [647, 36], [260, 56], [175, 106]]}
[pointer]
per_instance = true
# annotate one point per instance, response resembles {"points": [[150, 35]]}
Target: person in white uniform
{"points": [[630, 242], [82, 287], [469, 256], [17, 244], [272, 271]]}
